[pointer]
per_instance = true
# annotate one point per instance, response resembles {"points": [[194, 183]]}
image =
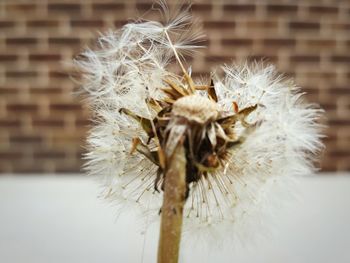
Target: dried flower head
{"points": [[240, 132]]}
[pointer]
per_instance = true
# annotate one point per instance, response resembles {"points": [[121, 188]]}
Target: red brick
{"points": [[8, 58], [340, 153], [320, 43], [143, 7], [21, 7], [244, 42], [88, 23], [341, 59], [107, 7], [6, 24], [59, 74], [64, 8], [45, 90], [21, 74], [22, 41], [305, 59], [9, 123], [328, 106], [279, 9], [280, 42], [304, 26], [339, 122], [262, 25], [48, 123], [8, 91], [10, 155], [340, 90], [44, 57], [219, 24], [66, 107], [64, 41], [202, 9], [241, 9], [310, 91], [323, 10], [340, 26], [25, 139], [22, 107], [42, 23]]}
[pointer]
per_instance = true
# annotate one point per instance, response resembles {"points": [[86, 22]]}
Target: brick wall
{"points": [[42, 125]]}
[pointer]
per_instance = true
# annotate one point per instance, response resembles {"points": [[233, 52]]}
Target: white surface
{"points": [[54, 219]]}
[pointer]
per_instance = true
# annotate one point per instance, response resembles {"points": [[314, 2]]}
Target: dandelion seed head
{"points": [[242, 133]]}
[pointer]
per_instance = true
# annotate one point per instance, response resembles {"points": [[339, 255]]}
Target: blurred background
{"points": [[43, 125]]}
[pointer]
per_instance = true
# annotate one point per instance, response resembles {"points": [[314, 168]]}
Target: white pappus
{"points": [[263, 131]]}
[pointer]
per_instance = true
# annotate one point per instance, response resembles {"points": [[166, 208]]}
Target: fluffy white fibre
{"points": [[129, 68]]}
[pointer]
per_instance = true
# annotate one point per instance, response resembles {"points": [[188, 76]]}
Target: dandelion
{"points": [[209, 149]]}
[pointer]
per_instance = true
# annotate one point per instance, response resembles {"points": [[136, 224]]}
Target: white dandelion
{"points": [[240, 133]]}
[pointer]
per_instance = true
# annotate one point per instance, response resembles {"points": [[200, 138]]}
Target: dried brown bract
{"points": [[197, 122]]}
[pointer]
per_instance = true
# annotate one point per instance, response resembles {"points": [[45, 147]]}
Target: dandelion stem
{"points": [[172, 209]]}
